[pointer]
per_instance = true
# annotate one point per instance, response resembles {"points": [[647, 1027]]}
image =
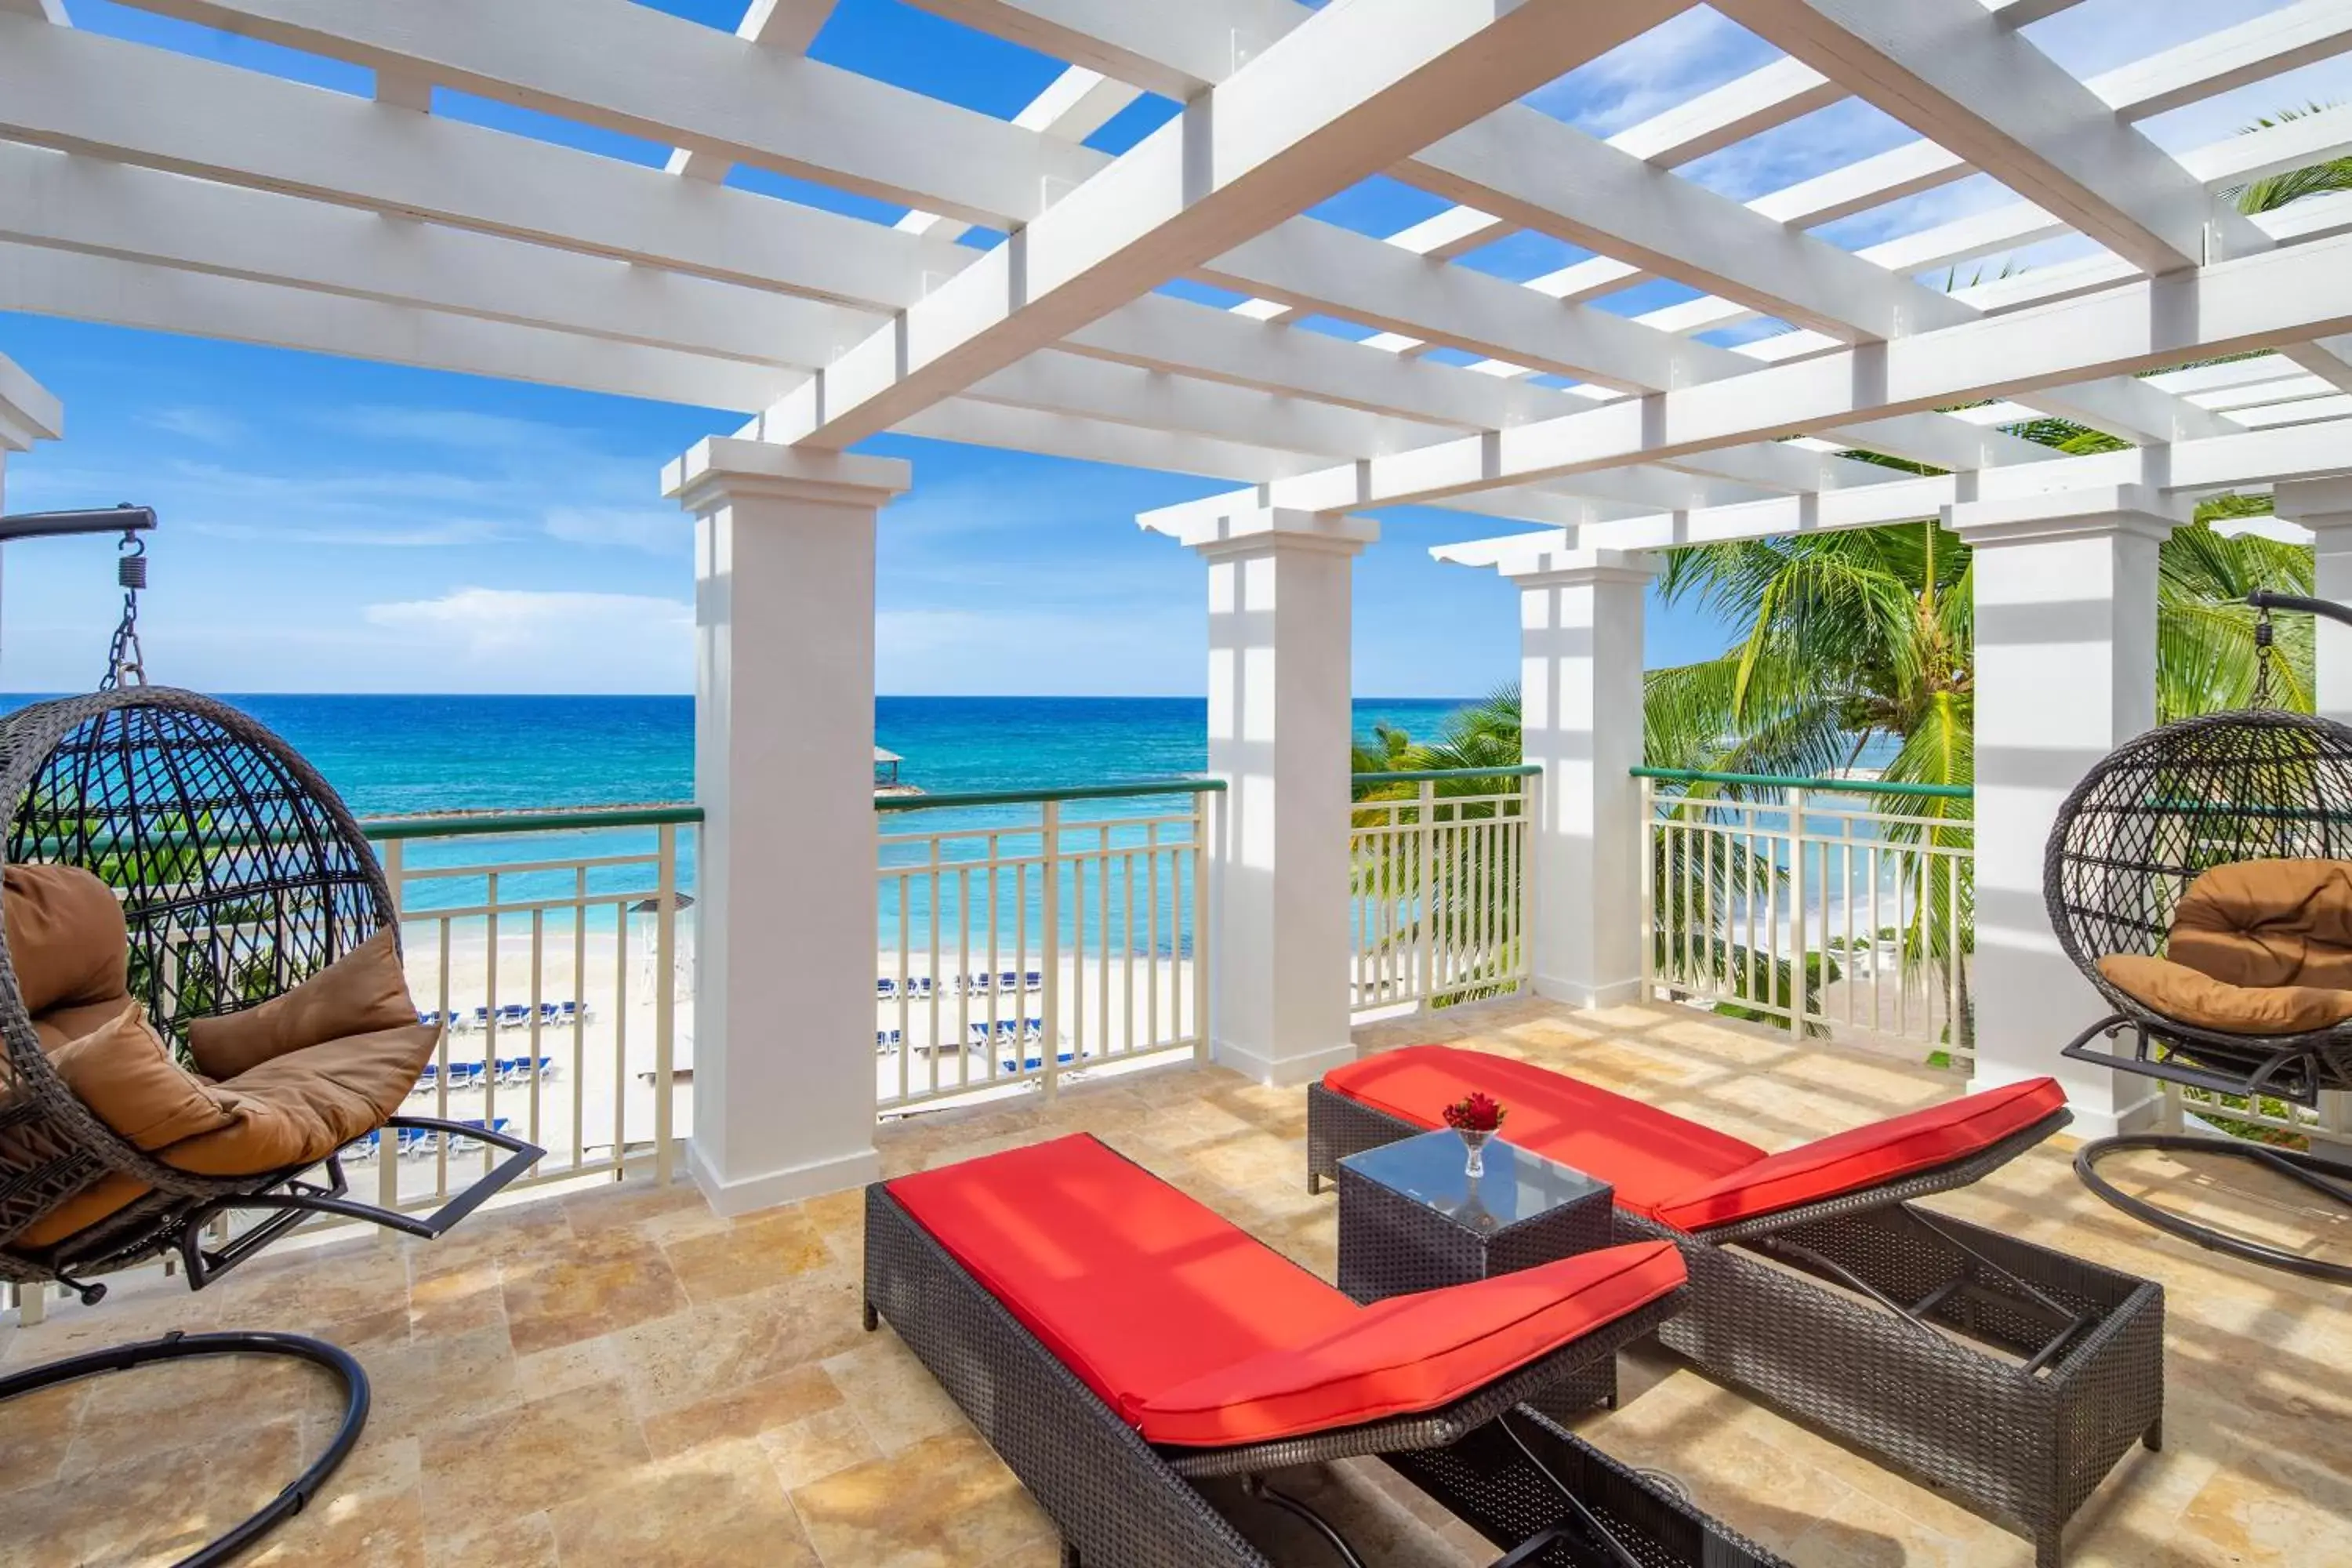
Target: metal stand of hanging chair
{"points": [[241, 874], [2254, 784]]}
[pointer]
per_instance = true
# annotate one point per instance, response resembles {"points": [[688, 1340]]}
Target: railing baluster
{"points": [[1127, 945], [387, 1160], [1050, 1048], [620, 1039], [1201, 934], [538, 1011], [665, 1001], [935, 884], [1102, 952], [579, 1018], [1152, 932], [1799, 980]]}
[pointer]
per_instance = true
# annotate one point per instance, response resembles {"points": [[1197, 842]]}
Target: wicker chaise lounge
{"points": [[1114, 1339], [2007, 1373]]}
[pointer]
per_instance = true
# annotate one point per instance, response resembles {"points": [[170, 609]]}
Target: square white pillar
{"points": [[2065, 671], [1580, 690], [1280, 588], [2325, 507], [28, 413], [784, 1092]]}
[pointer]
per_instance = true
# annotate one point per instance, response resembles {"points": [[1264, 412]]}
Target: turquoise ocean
{"points": [[415, 755]]}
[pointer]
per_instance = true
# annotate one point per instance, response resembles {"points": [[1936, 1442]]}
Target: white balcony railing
{"points": [[1438, 886], [1027, 936], [1799, 903], [556, 948]]}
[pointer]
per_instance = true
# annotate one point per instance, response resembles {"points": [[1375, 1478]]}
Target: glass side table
{"points": [[1411, 1220]]}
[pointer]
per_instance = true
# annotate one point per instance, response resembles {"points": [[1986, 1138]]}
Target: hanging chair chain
{"points": [[126, 662], [2264, 638]]}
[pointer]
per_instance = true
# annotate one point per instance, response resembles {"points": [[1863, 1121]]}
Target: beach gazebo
{"points": [[1007, 281]]}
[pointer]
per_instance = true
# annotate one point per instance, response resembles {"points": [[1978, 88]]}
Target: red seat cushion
{"points": [[1648, 1155], [1867, 1156], [1197, 1333], [1412, 1354], [1134, 1286]]}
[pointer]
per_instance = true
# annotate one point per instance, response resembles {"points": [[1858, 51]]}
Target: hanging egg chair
{"points": [[202, 1010], [2200, 877]]}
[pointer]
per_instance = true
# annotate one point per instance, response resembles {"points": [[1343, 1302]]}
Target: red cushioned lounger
{"points": [[1113, 1337], [2009, 1372]]}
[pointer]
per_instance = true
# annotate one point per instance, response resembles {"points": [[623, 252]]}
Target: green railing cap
{"points": [[1835, 786], [1439, 775], [1040, 797], [475, 825]]}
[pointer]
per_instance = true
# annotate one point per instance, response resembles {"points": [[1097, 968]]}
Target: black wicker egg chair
{"points": [[2144, 823], [240, 874]]}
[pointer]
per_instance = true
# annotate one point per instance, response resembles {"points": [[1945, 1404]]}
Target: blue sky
{"points": [[334, 525]]}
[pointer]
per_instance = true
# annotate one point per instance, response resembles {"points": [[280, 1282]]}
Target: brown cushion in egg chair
{"points": [[2268, 922], [360, 992], [67, 939], [2177, 991]]}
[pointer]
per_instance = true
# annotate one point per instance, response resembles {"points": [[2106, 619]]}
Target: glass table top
{"points": [[1517, 1185]]}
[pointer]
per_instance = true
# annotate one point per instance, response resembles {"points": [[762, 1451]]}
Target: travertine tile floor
{"points": [[621, 1378]]}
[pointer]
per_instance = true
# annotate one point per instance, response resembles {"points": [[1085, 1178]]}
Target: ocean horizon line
{"points": [[1375, 699]]}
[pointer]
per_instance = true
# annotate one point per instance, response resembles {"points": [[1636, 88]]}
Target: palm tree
{"points": [[2313, 179], [1471, 877], [1866, 638]]}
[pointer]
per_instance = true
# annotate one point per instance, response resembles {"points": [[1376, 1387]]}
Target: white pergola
{"points": [[152, 189]]}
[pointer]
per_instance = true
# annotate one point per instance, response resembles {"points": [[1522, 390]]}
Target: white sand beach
{"points": [[934, 1033], [597, 1084], [596, 1088]]}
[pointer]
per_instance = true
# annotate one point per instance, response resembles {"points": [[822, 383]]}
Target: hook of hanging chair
{"points": [[126, 661], [2266, 601], [123, 519]]}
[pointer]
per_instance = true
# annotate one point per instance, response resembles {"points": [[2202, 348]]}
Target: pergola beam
{"points": [[1544, 174], [1162, 334], [2289, 295], [88, 206], [29, 412], [2291, 36], [2250, 51], [1320, 266], [158, 299], [2248, 460], [1968, 85], [214, 121], [1176, 50], [154, 298], [628, 68], [1345, 95], [1127, 395], [787, 27], [84, 93]]}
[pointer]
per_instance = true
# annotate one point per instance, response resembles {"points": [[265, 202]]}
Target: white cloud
{"points": [[1694, 52], [457, 428], [212, 426], [511, 639], [1142, 649], [656, 532], [458, 532]]}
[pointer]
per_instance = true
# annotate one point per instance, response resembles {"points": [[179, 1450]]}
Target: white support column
{"points": [[2065, 652], [1279, 725], [2325, 507], [1581, 694], [784, 1091], [28, 413]]}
